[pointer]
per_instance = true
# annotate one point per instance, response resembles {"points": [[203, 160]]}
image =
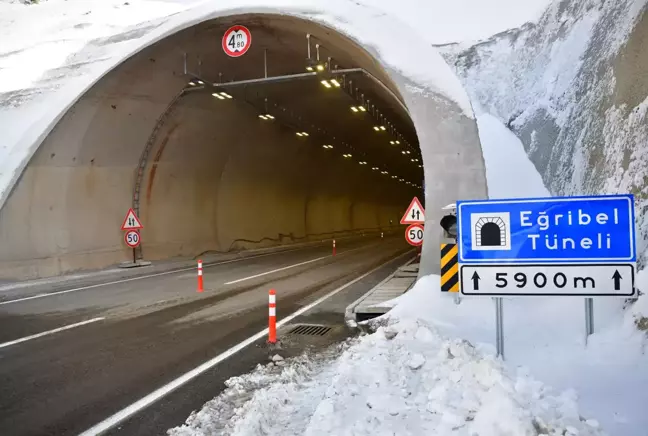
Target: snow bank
{"points": [[509, 171], [406, 378]]}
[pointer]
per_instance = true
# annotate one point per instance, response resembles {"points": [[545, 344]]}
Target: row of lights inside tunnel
{"points": [[332, 80], [356, 109]]}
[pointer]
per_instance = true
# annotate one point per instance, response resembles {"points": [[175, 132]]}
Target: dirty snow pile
{"points": [[405, 378]]}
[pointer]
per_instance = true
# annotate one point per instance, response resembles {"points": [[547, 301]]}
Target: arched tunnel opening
{"points": [[305, 137]]}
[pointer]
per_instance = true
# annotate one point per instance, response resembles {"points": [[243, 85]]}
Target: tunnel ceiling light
{"points": [[403, 152], [362, 109], [335, 83], [420, 166], [392, 142], [354, 109], [327, 146], [375, 168], [200, 82], [226, 95], [383, 128], [347, 155], [309, 68], [191, 83], [320, 67], [218, 96], [397, 142], [376, 128], [394, 177], [326, 83], [363, 163], [266, 117], [263, 117]]}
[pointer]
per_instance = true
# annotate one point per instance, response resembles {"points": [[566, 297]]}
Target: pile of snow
{"points": [[407, 378]]}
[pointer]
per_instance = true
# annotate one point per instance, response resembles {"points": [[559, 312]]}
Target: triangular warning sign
{"points": [[131, 222], [415, 213]]}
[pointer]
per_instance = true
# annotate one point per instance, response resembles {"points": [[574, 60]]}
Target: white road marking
{"points": [[276, 270], [117, 282], [293, 266], [50, 332], [151, 398]]}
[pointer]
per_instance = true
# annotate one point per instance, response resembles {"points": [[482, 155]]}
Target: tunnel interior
{"points": [[302, 138]]}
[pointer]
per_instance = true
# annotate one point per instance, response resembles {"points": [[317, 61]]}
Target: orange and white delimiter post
{"points": [[272, 316], [200, 276]]}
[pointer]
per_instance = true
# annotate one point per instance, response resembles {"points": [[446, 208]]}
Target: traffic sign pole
{"points": [[589, 318], [499, 326]]}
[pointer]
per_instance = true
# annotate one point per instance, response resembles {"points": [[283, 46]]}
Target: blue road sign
{"points": [[557, 229]]}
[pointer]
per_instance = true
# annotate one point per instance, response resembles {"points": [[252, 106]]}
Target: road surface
{"points": [[128, 338]]}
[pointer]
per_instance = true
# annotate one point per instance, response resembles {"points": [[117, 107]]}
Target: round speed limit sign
{"points": [[132, 238], [414, 235], [236, 41]]}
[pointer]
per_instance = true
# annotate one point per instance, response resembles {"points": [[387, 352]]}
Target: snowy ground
{"points": [[411, 377]]}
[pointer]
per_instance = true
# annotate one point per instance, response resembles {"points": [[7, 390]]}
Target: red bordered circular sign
{"points": [[414, 235], [132, 238], [237, 41]]}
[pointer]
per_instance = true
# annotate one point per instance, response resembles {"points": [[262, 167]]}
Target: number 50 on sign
{"points": [[414, 235]]}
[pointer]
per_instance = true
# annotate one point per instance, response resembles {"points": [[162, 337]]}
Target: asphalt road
{"points": [[146, 332]]}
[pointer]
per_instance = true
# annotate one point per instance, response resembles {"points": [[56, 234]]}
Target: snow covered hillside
{"points": [[573, 88]]}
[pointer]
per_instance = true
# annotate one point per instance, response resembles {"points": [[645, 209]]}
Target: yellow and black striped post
{"points": [[449, 268]]}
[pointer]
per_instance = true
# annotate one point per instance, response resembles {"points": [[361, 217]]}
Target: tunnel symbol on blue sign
{"points": [[491, 231]]}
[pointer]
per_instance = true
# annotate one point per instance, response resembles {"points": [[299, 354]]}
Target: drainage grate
{"points": [[310, 330]]}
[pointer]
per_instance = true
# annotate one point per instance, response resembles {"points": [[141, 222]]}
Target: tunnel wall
{"points": [[65, 210]]}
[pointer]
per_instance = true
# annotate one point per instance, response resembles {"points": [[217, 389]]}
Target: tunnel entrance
{"points": [[304, 137]]}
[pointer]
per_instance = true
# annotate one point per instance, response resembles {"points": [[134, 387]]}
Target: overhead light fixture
{"points": [[420, 166], [201, 82], [335, 83], [397, 142], [383, 128], [376, 128], [320, 67], [327, 146], [191, 83], [408, 152], [363, 163], [226, 95], [218, 96], [348, 155], [362, 109], [263, 117], [270, 117], [393, 177], [375, 168], [266, 117], [301, 134], [392, 142], [309, 68], [354, 109], [326, 83], [403, 152]]}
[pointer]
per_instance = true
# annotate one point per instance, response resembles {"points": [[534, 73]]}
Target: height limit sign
{"points": [[236, 41]]}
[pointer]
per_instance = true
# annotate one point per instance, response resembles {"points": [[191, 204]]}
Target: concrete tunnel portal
{"points": [[215, 153]]}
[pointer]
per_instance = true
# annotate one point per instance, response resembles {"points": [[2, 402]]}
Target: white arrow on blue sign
{"points": [[547, 230]]}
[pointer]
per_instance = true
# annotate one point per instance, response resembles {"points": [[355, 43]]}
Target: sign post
{"points": [[132, 225], [569, 246]]}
